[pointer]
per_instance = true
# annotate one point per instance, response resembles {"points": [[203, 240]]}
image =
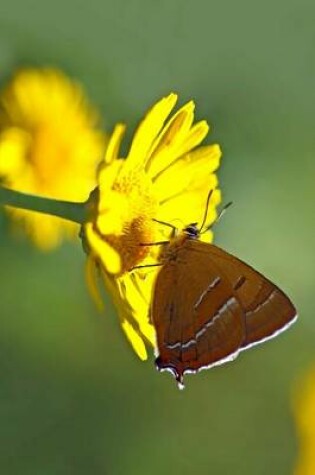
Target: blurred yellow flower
{"points": [[304, 409], [164, 177], [49, 145]]}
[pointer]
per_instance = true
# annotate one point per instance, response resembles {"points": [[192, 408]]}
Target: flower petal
{"points": [[148, 129], [172, 134], [138, 294], [112, 150], [188, 170], [176, 150], [189, 206], [91, 279], [113, 213], [106, 178], [109, 257], [135, 340]]}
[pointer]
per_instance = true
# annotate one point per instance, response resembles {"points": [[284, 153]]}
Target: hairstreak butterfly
{"points": [[208, 306]]}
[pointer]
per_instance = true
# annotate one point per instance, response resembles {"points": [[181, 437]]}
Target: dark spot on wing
{"points": [[241, 281]]}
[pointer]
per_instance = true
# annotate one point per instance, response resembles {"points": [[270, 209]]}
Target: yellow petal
{"points": [[135, 340], [210, 154], [207, 237], [91, 279], [13, 145], [139, 295], [172, 134], [106, 178], [197, 133], [176, 150], [189, 206], [109, 257], [112, 151], [187, 171], [113, 214], [148, 129]]}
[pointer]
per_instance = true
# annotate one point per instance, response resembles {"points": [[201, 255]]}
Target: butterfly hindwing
{"points": [[197, 318]]}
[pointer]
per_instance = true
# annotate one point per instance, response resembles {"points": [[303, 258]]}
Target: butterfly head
{"points": [[192, 231]]}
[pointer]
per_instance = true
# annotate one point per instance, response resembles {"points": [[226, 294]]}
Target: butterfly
{"points": [[208, 306]]}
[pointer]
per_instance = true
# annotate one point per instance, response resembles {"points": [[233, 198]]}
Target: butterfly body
{"points": [[208, 306]]}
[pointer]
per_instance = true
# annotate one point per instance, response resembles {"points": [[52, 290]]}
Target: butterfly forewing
{"points": [[197, 318]]}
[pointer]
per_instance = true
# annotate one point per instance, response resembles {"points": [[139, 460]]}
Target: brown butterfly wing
{"points": [[197, 317], [208, 305], [268, 311]]}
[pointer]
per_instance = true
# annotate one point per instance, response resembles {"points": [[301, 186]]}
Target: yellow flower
{"points": [[49, 146], [304, 409], [164, 177]]}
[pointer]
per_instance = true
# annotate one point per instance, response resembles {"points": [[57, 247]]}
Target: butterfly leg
{"points": [[157, 243], [144, 266], [169, 225]]}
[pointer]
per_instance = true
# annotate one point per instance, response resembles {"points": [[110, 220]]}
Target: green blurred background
{"points": [[74, 399]]}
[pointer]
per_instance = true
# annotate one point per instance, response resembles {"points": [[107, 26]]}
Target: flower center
{"points": [[135, 218], [130, 244]]}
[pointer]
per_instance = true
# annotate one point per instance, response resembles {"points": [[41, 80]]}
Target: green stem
{"points": [[76, 212]]}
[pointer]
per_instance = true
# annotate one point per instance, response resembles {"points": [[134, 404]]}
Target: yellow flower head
{"points": [[164, 177], [49, 146], [304, 408]]}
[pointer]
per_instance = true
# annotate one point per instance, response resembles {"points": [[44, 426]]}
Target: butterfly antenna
{"points": [[221, 213], [223, 210], [206, 210]]}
